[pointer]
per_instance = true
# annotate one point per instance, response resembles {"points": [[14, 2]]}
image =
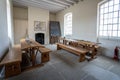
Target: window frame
{"points": [[98, 22], [65, 19]]}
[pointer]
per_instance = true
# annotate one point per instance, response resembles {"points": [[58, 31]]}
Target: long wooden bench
{"points": [[12, 61], [92, 47], [77, 51]]}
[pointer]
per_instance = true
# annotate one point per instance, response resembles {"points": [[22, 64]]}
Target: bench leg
{"points": [[33, 58], [82, 57], [58, 48], [45, 57]]}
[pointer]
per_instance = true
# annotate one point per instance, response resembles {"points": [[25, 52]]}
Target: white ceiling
{"points": [[51, 5]]}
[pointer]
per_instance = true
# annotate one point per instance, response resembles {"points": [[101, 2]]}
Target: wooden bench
{"points": [[77, 51], [12, 61], [44, 54], [90, 46]]}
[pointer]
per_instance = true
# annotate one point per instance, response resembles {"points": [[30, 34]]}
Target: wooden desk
{"points": [[31, 47]]}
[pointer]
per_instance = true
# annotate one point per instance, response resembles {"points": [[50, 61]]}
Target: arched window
{"points": [[68, 24], [109, 19]]}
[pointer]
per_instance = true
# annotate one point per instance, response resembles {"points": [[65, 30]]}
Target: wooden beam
{"points": [[35, 3], [64, 2], [54, 3], [72, 1]]}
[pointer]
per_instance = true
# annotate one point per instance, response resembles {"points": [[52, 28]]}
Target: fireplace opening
{"points": [[39, 37]]}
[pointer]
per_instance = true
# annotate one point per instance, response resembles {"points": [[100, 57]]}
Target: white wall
{"points": [[108, 46], [4, 40], [20, 23], [20, 28], [85, 25], [38, 14], [20, 13], [52, 17], [84, 19]]}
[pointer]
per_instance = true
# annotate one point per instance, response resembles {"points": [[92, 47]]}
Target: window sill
{"points": [[109, 38]]}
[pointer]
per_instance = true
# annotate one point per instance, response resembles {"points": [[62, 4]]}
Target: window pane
{"points": [[105, 21], [105, 33], [119, 20], [110, 27], [102, 6], [114, 34], [110, 33], [106, 10], [101, 16], [105, 27], [119, 27], [101, 33], [111, 9], [110, 21], [111, 3], [105, 16], [116, 1], [115, 27], [101, 28], [116, 7], [101, 22], [115, 20], [116, 14], [106, 4], [119, 14], [118, 33], [101, 11], [110, 15]]}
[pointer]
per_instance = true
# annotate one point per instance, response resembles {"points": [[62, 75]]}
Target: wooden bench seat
{"points": [[12, 61], [77, 51], [44, 54]]}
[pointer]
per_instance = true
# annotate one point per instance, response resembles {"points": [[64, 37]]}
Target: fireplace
{"points": [[39, 37]]}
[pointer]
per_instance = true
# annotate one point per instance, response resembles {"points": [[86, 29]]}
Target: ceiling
{"points": [[51, 5]]}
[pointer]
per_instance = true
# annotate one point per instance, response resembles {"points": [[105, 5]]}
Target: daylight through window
{"points": [[109, 19], [68, 24]]}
